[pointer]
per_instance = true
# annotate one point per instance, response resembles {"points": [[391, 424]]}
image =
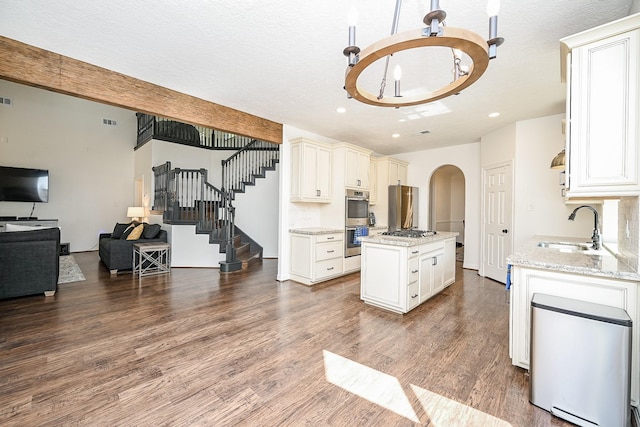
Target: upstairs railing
{"points": [[247, 164], [155, 127]]}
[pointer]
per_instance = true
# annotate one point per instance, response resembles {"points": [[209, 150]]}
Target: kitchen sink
{"points": [[566, 246], [573, 247]]}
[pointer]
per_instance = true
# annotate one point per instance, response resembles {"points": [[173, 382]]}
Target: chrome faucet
{"points": [[596, 238]]}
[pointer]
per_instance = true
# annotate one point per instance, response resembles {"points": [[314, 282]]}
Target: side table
{"points": [[151, 258]]}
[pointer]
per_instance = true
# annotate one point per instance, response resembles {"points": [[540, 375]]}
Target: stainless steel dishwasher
{"points": [[580, 366]]}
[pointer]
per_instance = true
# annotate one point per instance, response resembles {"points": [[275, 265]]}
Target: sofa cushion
{"points": [[151, 231], [136, 232], [118, 230]]}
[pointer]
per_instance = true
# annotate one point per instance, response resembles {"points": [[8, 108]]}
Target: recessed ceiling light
{"points": [[492, 115], [341, 110], [395, 135]]}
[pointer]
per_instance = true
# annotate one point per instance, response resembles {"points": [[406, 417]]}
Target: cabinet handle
{"points": [[330, 238], [435, 261], [414, 296], [318, 193], [358, 183], [414, 252], [414, 271], [329, 268], [331, 251]]}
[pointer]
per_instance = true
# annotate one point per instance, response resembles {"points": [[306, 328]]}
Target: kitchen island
{"points": [[399, 273], [566, 267]]}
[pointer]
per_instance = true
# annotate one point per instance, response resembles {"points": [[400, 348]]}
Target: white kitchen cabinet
{"points": [[357, 171], [431, 270], [399, 278], [449, 261], [390, 171], [310, 171], [603, 95], [373, 182], [528, 281], [355, 163], [316, 257]]}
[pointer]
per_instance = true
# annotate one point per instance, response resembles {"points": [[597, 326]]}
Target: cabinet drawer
{"points": [[329, 250], [412, 296], [328, 268], [328, 237], [414, 270]]}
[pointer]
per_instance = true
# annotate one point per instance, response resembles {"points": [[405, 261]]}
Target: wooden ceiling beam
{"points": [[32, 66]]}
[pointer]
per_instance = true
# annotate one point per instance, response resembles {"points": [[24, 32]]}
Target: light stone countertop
{"points": [[407, 241], [316, 230], [592, 263]]}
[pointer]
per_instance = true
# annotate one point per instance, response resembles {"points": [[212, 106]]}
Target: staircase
{"points": [[186, 197]]}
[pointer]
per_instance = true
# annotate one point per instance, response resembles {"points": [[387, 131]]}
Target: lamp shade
{"points": [[558, 161], [135, 212]]}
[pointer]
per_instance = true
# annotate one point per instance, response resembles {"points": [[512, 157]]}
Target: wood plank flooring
{"points": [[192, 348]]}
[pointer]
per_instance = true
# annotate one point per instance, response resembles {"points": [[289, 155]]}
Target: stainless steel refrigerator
{"points": [[403, 207]]}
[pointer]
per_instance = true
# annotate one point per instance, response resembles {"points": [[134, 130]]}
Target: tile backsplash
{"points": [[629, 231]]}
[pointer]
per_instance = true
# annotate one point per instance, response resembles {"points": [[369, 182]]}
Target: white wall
{"points": [[422, 164], [90, 164], [539, 208]]}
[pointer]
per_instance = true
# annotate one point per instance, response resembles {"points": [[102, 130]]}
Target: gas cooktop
{"points": [[409, 233]]}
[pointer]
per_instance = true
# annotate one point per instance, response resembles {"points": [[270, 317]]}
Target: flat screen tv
{"points": [[24, 185]]}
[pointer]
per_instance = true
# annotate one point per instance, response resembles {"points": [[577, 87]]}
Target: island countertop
{"points": [[316, 230], [407, 241], [594, 263]]}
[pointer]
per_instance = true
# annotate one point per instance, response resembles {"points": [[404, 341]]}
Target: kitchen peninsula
{"points": [[399, 273], [567, 267]]}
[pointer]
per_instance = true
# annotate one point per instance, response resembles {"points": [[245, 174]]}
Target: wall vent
{"points": [[109, 122], [6, 101]]}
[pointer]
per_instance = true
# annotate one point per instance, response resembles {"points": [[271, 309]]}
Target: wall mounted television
{"points": [[24, 185]]}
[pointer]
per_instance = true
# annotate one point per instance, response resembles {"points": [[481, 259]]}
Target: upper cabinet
{"points": [[602, 74], [390, 171], [356, 165], [310, 171]]}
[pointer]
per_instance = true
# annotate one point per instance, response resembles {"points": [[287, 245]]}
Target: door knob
{"points": [[505, 231]]}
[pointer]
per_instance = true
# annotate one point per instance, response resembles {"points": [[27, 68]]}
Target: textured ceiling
{"points": [[283, 61]]}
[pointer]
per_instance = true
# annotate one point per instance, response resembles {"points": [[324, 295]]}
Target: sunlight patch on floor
{"points": [[375, 386], [386, 391], [444, 412]]}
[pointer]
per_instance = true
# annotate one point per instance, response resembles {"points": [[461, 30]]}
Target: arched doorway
{"points": [[447, 206]]}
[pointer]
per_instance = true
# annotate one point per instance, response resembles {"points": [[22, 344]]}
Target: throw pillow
{"points": [[118, 230], [151, 231], [128, 231], [136, 232]]}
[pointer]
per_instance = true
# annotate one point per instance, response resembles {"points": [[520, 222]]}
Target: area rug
{"points": [[69, 270]]}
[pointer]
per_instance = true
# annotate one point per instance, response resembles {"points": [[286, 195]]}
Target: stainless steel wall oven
{"points": [[356, 221]]}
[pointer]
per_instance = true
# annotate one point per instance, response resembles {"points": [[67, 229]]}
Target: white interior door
{"points": [[497, 221]]}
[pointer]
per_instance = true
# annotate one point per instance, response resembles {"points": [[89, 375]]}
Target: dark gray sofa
{"points": [[29, 262], [116, 252]]}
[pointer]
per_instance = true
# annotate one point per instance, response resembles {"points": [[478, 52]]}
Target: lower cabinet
{"points": [[399, 278], [316, 257], [449, 261], [616, 293]]}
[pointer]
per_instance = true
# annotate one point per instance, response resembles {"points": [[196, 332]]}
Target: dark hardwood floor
{"points": [[192, 348]]}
